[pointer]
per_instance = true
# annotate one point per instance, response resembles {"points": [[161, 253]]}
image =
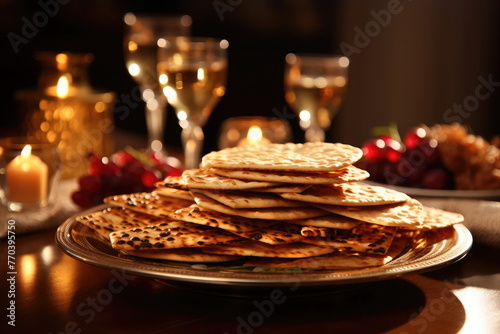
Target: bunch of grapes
{"points": [[411, 162], [126, 171]]}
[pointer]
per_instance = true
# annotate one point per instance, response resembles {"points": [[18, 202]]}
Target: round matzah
{"points": [[348, 174], [312, 157]]}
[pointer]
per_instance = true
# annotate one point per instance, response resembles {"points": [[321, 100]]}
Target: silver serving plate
{"points": [[79, 242]]}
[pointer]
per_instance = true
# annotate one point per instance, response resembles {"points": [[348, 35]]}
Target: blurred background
{"points": [[415, 65]]}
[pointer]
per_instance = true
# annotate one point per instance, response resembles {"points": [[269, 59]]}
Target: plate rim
{"points": [[462, 242], [455, 193]]}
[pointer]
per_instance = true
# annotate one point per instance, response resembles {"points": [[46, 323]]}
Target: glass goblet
{"points": [[192, 72], [141, 52], [315, 88]]}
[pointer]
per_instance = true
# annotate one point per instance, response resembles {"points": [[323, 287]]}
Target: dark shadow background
{"points": [[425, 60]]}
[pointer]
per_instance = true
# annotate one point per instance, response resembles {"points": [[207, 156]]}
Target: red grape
{"points": [[435, 179], [414, 137], [90, 183], [82, 198], [393, 150], [429, 149], [385, 138], [374, 149], [149, 178], [122, 158]]}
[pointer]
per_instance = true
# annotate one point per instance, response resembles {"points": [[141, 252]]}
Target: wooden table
{"points": [[56, 294]]}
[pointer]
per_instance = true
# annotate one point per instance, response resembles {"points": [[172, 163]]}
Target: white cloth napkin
{"points": [[27, 222], [482, 218]]}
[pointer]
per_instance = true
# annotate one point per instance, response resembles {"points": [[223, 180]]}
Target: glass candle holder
{"points": [[29, 173], [250, 130], [66, 111]]}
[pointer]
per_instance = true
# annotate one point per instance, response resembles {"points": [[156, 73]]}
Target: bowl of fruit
{"points": [[443, 160], [125, 171]]}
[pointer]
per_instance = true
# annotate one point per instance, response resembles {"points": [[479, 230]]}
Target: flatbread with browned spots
{"points": [[348, 194], [183, 194], [254, 248], [148, 203], [112, 219], [332, 221], [347, 174], [167, 235], [309, 157], [407, 214], [265, 213], [207, 179], [436, 218], [338, 259], [366, 238], [183, 255], [313, 231], [259, 230], [283, 188], [246, 200]]}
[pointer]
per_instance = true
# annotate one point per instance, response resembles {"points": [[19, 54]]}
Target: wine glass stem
{"points": [[192, 140], [314, 133], [155, 121]]}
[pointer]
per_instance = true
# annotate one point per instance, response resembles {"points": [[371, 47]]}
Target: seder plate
{"points": [[78, 241]]}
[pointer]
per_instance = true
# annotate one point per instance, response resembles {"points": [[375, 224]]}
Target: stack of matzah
{"points": [[277, 205]]}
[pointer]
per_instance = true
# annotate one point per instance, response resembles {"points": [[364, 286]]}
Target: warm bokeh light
{"points": [[200, 74], [132, 46], [254, 135], [224, 44], [344, 61], [340, 81], [26, 151], [62, 87], [129, 19], [320, 82], [163, 79], [148, 94], [182, 115], [161, 42], [134, 69], [170, 93], [305, 115]]}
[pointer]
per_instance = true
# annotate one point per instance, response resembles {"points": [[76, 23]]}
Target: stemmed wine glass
{"points": [[192, 72], [315, 87], [141, 52]]}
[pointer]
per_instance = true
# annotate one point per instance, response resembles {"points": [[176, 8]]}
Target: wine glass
{"points": [[192, 72], [141, 52], [315, 87]]}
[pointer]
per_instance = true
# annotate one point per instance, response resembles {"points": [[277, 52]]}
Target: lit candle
{"points": [[254, 137], [63, 88], [27, 178]]}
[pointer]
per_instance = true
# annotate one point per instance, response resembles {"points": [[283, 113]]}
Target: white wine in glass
{"points": [[315, 88], [192, 73], [141, 57]]}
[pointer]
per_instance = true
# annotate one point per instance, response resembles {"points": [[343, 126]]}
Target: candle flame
{"points": [[62, 87], [254, 135], [26, 151], [200, 74]]}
